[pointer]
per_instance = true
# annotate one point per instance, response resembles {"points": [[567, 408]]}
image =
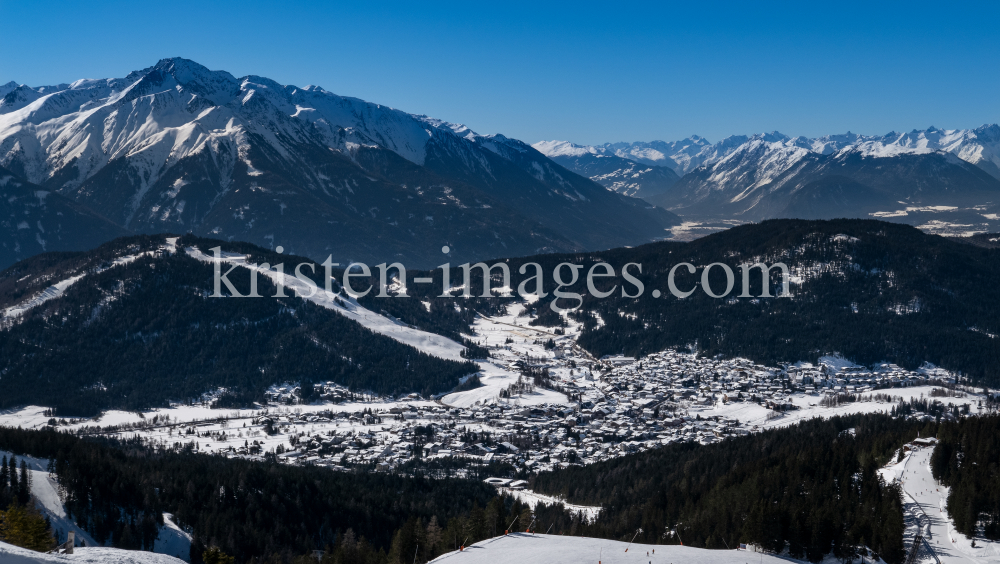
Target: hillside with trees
{"points": [[870, 290], [967, 460], [812, 489], [139, 333]]}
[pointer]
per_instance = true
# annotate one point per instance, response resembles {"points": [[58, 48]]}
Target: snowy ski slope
{"points": [[521, 548], [10, 554]]}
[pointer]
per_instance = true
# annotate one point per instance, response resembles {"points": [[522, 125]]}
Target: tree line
{"points": [[21, 524], [810, 490], [254, 511], [967, 460]]}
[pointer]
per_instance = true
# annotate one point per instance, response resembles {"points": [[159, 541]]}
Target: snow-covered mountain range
{"points": [[178, 147], [943, 180], [980, 146]]}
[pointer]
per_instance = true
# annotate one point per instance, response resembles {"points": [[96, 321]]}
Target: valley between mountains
{"points": [[837, 403]]}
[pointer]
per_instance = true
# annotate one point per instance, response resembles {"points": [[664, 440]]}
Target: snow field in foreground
{"points": [[10, 554], [521, 548]]}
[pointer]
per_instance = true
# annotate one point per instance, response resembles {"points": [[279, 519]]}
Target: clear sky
{"points": [[585, 72]]}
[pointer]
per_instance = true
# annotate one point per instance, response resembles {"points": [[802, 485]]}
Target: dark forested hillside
{"points": [[811, 489], [118, 491], [871, 290], [813, 486], [967, 460], [139, 332]]}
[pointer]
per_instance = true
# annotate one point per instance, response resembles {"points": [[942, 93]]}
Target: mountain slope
{"points": [[132, 325], [733, 184], [980, 146], [526, 180], [35, 220], [831, 197], [932, 178], [871, 290], [94, 555], [177, 147], [615, 173], [762, 180], [524, 548], [935, 178]]}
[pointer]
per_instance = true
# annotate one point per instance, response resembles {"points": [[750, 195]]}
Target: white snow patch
{"points": [[10, 554], [523, 548]]}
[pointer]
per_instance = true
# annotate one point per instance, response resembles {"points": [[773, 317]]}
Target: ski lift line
{"points": [[633, 539], [931, 550]]}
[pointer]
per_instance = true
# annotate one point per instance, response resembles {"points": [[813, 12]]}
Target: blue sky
{"points": [[586, 72]]}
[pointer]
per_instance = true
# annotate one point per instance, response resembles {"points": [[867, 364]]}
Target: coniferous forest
{"points": [[254, 511], [139, 334], [811, 488], [967, 459], [870, 290]]}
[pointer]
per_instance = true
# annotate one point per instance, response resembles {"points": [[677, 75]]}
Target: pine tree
{"points": [[433, 536], [12, 472], [349, 542], [214, 555], [24, 484], [26, 527]]}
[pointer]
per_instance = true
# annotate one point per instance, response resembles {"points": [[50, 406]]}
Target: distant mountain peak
{"points": [[5, 88], [563, 148]]}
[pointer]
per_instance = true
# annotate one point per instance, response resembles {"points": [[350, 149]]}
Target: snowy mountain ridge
{"points": [[613, 171], [943, 181], [177, 108], [177, 147], [980, 146]]}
